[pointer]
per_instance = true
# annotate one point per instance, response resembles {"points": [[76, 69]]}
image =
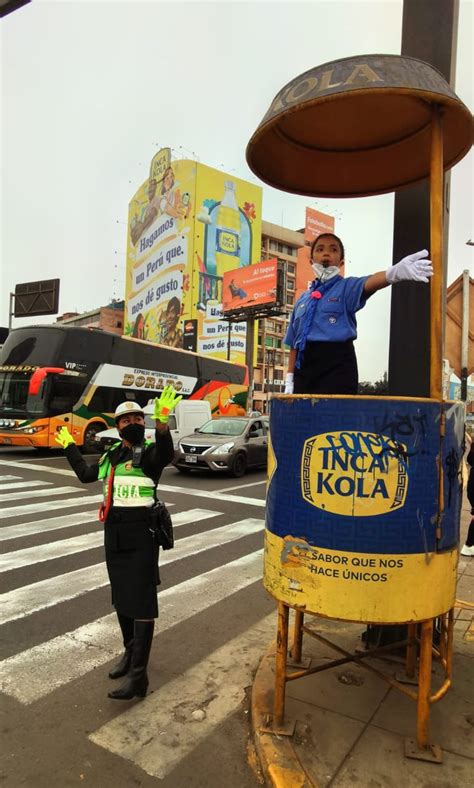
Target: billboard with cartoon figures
{"points": [[250, 286], [188, 225], [316, 223]]}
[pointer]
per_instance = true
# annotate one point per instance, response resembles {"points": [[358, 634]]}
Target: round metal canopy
{"points": [[357, 127]]}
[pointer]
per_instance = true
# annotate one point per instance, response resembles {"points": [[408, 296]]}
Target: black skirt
{"points": [[327, 368], [131, 556]]}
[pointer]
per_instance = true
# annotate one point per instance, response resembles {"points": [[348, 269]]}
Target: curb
{"points": [[280, 765]]}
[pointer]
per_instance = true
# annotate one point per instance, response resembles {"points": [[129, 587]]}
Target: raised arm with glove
{"points": [[64, 438], [165, 404], [413, 268]]}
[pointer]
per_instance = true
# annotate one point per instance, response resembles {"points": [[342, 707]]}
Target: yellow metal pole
{"points": [[424, 684], [280, 665], [297, 646], [411, 651], [450, 643], [436, 253]]}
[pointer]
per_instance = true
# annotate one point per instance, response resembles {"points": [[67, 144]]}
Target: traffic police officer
{"points": [[130, 471]]}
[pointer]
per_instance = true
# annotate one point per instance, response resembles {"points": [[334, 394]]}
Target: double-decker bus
{"points": [[55, 376]]}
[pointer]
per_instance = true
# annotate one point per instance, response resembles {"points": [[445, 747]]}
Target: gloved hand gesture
{"points": [[64, 438], [414, 268], [166, 403], [289, 383]]}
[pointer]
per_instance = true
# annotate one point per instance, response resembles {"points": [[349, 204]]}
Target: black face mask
{"points": [[133, 433]]}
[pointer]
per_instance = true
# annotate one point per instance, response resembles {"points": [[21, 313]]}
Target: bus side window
{"points": [[64, 394], [98, 402], [106, 400]]}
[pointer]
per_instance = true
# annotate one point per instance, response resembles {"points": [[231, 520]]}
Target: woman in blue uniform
{"points": [[323, 323]]}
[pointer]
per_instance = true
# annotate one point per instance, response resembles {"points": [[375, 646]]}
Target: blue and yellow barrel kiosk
{"points": [[364, 493]]}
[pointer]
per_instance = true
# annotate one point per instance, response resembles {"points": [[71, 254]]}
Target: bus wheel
{"points": [[239, 465], [89, 446]]}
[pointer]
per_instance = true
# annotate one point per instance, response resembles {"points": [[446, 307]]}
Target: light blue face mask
{"points": [[323, 273]]}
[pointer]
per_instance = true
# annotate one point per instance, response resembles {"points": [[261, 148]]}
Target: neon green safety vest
{"points": [[132, 487]]}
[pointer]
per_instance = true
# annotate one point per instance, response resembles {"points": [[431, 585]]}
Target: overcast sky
{"points": [[91, 90]]}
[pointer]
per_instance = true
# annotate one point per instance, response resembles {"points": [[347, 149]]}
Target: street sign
{"points": [[36, 298]]}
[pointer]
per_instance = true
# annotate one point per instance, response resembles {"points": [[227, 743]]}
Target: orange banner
{"points": [[249, 286], [316, 224]]}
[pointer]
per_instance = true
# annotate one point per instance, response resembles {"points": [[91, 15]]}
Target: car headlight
{"points": [[225, 448]]}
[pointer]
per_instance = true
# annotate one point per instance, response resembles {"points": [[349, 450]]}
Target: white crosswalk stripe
{"points": [[17, 496], [222, 496], [48, 506], [34, 467], [76, 544], [146, 732], [34, 673], [38, 596], [24, 485], [79, 518], [8, 479], [48, 524]]}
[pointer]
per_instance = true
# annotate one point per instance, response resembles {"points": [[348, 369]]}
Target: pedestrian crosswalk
{"points": [[63, 526]]}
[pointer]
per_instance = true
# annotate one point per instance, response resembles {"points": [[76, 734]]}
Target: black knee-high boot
{"points": [[123, 665], [136, 683]]}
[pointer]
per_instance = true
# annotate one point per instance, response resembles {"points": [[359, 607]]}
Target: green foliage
{"points": [[379, 388]]}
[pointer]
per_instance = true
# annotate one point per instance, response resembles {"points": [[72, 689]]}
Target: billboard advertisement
{"points": [[188, 225], [227, 235], [159, 253], [316, 223], [250, 286]]}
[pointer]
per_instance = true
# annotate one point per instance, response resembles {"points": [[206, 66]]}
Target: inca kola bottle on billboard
{"points": [[228, 231]]}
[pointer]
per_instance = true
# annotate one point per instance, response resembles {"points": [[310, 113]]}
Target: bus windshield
{"points": [[15, 400]]}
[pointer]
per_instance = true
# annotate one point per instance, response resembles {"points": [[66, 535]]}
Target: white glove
{"points": [[289, 383], [411, 269]]}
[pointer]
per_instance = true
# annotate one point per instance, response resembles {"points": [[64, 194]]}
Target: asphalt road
{"points": [[59, 635]]}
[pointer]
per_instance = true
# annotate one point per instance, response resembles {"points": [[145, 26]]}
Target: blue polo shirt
{"points": [[334, 314]]}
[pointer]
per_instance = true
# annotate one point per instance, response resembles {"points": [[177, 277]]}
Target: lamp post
{"points": [[270, 362]]}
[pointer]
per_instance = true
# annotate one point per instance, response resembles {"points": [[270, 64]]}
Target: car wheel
{"points": [[90, 446], [239, 466]]}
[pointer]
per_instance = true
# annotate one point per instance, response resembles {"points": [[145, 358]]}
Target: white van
{"points": [[187, 416]]}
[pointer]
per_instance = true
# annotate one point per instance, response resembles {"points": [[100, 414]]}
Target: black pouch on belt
{"points": [[161, 526]]}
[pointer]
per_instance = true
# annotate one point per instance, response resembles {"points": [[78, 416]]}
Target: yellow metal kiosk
{"points": [[364, 493]]}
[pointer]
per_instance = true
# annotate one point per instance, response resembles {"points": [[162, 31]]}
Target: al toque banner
{"points": [[250, 286]]}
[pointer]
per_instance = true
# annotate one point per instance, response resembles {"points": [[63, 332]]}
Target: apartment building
{"points": [[108, 318], [272, 358]]}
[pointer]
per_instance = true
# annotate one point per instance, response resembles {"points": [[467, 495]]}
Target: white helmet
{"points": [[128, 407]]}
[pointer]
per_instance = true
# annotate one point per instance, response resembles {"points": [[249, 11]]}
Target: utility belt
{"points": [[121, 514], [157, 520]]}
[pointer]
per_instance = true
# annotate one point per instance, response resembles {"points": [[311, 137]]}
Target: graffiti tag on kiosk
{"points": [[357, 474]]}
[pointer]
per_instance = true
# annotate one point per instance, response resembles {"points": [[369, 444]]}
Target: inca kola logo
{"points": [[357, 474]]}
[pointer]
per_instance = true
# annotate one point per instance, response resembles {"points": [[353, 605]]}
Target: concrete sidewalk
{"points": [[351, 726]]}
